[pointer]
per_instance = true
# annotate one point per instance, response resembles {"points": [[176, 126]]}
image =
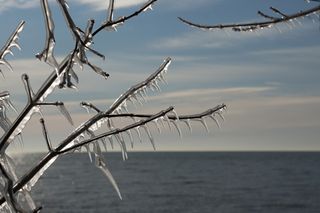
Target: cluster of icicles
{"points": [[22, 201], [136, 94]]}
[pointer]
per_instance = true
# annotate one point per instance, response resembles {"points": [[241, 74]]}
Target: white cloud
{"points": [[95, 4], [186, 4], [204, 39], [195, 93], [21, 4], [103, 4]]}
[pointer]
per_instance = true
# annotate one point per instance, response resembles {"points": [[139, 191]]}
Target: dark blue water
{"points": [[184, 182]]}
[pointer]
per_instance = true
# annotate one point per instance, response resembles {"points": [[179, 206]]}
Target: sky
{"points": [[269, 79]]}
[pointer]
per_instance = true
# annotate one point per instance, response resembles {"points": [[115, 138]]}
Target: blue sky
{"points": [[269, 79]]}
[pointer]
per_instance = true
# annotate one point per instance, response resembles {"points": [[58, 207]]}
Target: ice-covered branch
{"points": [[76, 31], [88, 106], [47, 54], [140, 88], [6, 190], [86, 134], [11, 42], [113, 24], [118, 131], [5, 100], [251, 26]]}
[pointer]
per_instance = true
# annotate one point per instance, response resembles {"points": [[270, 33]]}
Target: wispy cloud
{"points": [[203, 39], [196, 93], [8, 4], [186, 4], [94, 4], [103, 4]]}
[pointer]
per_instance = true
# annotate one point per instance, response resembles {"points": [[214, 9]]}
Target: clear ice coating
{"points": [[36, 177], [5, 101], [100, 163], [47, 54], [110, 11], [138, 133], [63, 110], [157, 125], [140, 88], [130, 138], [215, 120], [148, 5], [11, 42], [5, 123], [204, 123], [176, 125], [146, 128], [23, 123], [166, 118], [188, 123]]}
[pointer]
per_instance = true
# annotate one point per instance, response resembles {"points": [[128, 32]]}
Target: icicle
{"points": [[156, 85], [175, 123], [136, 99], [111, 141], [152, 87], [110, 124], [87, 147], [168, 121], [138, 133], [144, 91], [150, 136], [157, 125], [215, 120], [125, 106], [161, 76], [65, 112], [130, 137], [203, 122], [97, 153], [220, 115], [130, 100], [187, 122], [104, 143], [123, 147], [141, 95], [102, 166], [161, 121]]}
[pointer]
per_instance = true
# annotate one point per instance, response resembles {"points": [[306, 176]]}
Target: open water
{"points": [[216, 182]]}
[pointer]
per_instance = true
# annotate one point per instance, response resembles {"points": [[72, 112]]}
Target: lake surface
{"points": [[231, 182]]}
